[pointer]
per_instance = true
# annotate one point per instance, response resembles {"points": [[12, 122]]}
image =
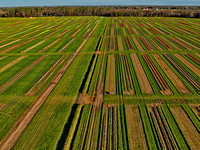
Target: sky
{"points": [[13, 3]]}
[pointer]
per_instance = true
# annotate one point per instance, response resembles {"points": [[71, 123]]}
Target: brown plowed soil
{"points": [[197, 54], [137, 43], [84, 99], [120, 44], [144, 82], [136, 32], [112, 32], [190, 132], [136, 134], [110, 78], [2, 107]]}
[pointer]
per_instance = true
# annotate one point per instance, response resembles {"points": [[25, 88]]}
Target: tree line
{"points": [[137, 11]]}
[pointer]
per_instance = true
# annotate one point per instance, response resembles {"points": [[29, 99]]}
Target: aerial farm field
{"points": [[99, 83]]}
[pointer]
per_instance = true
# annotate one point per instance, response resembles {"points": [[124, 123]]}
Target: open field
{"points": [[99, 83]]}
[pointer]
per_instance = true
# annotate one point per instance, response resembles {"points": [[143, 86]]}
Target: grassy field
{"points": [[99, 83]]}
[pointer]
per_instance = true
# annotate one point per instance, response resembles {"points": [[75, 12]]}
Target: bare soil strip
{"points": [[172, 76], [197, 54], [37, 86], [112, 32], [148, 31], [144, 82], [112, 43], [120, 44], [137, 43], [20, 74], [136, 134], [11, 63], [136, 32], [191, 134], [110, 78], [188, 64], [2, 107], [9, 141]]}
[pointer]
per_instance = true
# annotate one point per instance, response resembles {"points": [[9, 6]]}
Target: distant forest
{"points": [[138, 11]]}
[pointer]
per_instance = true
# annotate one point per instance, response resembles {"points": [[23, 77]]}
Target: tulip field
{"points": [[99, 83]]}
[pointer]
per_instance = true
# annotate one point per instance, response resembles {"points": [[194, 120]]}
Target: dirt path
{"points": [[136, 135], [172, 76], [110, 78], [144, 82], [188, 64], [191, 134], [120, 44], [137, 43], [9, 141]]}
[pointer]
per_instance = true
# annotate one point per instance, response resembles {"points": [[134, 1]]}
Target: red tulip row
{"points": [[189, 30], [163, 43], [75, 32], [146, 43], [131, 25], [186, 23], [130, 31], [153, 30], [140, 24]]}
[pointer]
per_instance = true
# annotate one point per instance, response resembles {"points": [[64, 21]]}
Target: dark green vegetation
{"points": [[115, 83]]}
